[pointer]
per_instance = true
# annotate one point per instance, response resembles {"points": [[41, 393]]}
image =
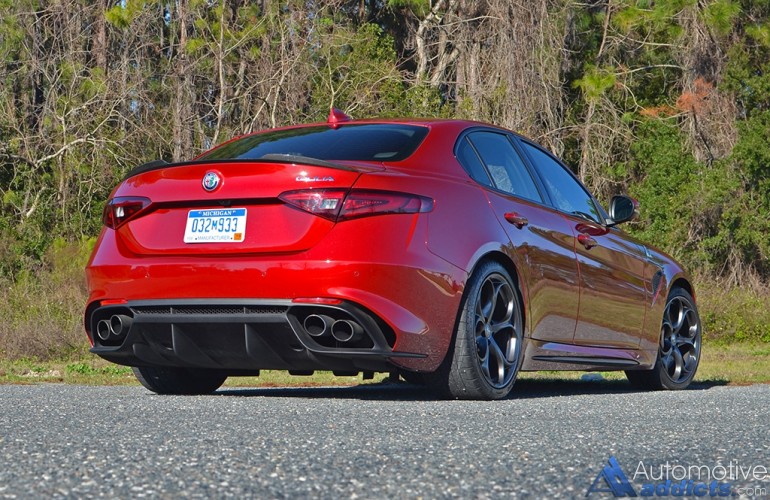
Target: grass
{"points": [[96, 371], [735, 364]]}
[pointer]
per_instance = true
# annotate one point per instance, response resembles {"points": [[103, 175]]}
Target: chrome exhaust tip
{"points": [[120, 324], [103, 329], [317, 325], [344, 330]]}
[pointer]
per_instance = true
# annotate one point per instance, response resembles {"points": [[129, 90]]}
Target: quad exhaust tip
{"points": [[120, 324], [115, 327], [103, 329], [344, 330], [318, 325], [323, 326]]}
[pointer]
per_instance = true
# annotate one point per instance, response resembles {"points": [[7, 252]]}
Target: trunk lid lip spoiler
{"points": [[269, 158]]}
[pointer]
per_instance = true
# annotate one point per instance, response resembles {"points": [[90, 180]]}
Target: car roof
{"points": [[442, 123]]}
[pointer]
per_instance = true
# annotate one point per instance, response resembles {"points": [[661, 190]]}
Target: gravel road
{"points": [[383, 441]]}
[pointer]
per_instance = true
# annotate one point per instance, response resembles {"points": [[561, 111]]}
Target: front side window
{"points": [[567, 193]]}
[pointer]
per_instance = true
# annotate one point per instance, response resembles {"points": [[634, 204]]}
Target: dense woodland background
{"points": [[668, 101]]}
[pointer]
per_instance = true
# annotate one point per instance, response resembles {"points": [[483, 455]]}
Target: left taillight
{"points": [[121, 209]]}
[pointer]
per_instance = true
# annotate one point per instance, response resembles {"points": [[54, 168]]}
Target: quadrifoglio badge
{"points": [[678, 480], [210, 181]]}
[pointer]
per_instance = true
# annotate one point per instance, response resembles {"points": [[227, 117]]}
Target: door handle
{"points": [[587, 241], [517, 220]]}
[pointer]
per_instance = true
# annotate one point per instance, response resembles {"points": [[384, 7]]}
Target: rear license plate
{"points": [[220, 225]]}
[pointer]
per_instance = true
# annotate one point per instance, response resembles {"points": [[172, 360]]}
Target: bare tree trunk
{"points": [[182, 136], [585, 143], [100, 36], [423, 42], [220, 64], [36, 75]]}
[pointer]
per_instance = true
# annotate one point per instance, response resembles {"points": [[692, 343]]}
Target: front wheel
{"points": [[179, 380], [488, 339], [680, 344]]}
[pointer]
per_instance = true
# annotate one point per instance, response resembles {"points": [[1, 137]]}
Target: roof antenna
{"points": [[336, 117]]}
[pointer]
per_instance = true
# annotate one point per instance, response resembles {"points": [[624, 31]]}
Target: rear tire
{"points": [[179, 380], [486, 353], [679, 348]]}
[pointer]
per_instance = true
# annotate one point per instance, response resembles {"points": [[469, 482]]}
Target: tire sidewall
{"points": [[665, 380], [466, 335]]}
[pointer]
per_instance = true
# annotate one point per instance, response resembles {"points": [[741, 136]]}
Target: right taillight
{"points": [[361, 203], [121, 209], [342, 204]]}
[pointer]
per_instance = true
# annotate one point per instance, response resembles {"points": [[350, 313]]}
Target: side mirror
{"points": [[623, 209]]}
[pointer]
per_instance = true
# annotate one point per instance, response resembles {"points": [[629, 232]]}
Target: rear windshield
{"points": [[367, 142]]}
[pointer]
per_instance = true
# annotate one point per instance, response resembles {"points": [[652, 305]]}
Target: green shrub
{"points": [[734, 314], [43, 309]]}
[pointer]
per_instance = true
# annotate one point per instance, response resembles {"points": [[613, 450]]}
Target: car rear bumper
{"points": [[240, 336], [401, 286]]}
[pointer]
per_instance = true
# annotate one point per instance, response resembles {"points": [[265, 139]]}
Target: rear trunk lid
{"points": [[229, 206]]}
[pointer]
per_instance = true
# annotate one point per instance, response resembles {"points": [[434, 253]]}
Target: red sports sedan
{"points": [[453, 253]]}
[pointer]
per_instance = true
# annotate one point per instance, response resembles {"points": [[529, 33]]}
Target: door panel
{"points": [[612, 285], [545, 242], [613, 291]]}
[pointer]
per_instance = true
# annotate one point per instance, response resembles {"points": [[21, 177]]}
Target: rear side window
{"points": [[367, 142], [504, 165], [467, 156]]}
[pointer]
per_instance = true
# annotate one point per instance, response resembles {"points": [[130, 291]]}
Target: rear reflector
{"points": [[112, 302], [342, 204], [317, 300], [121, 209]]}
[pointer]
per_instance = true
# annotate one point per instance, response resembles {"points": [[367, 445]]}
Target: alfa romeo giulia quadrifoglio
{"points": [[450, 253]]}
